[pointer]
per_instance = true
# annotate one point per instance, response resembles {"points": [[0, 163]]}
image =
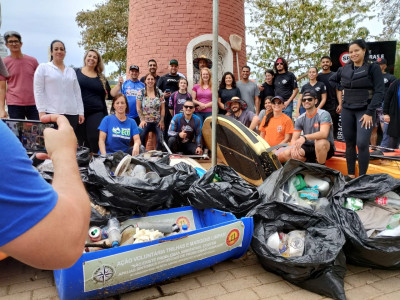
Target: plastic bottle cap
{"points": [[115, 244], [184, 227]]}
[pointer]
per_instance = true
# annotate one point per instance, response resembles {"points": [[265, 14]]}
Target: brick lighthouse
{"points": [[166, 29]]}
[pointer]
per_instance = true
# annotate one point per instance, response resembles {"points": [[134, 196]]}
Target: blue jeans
{"points": [[21, 112], [151, 126], [289, 110], [385, 138], [203, 115]]}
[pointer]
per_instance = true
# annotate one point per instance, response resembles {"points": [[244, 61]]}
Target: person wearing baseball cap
{"points": [[388, 79], [168, 84], [237, 108], [312, 139], [276, 127], [130, 88]]}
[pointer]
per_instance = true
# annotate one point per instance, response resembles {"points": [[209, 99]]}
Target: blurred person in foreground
{"points": [[43, 225]]}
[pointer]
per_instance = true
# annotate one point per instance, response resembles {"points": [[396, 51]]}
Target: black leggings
{"points": [[88, 132], [354, 136]]}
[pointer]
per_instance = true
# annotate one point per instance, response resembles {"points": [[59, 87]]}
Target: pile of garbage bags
{"points": [[307, 219]]}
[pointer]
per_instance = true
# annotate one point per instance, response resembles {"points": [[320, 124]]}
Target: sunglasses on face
{"points": [[188, 106], [276, 103], [13, 42], [277, 64], [307, 99]]}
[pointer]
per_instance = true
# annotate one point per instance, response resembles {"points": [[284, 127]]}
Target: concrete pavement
{"points": [[239, 279]]}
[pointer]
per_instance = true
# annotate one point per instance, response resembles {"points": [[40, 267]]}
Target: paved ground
{"points": [[240, 279]]}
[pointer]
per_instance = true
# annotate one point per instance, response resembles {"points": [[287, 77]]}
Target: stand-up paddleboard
{"points": [[176, 159], [242, 149]]}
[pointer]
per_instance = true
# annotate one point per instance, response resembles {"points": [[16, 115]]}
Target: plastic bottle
{"points": [[321, 185], [382, 200], [394, 222], [113, 232]]}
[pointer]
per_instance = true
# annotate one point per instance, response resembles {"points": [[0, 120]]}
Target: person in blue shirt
{"points": [[185, 131], [130, 88], [117, 130], [42, 225]]}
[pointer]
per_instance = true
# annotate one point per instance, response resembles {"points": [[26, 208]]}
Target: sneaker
{"points": [[376, 152]]}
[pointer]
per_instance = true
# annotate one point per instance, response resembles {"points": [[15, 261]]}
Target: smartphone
{"points": [[29, 132]]}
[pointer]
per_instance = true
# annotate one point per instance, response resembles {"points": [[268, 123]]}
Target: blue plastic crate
{"points": [[212, 237]]}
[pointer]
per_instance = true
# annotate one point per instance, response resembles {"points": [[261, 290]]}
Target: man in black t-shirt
{"points": [[285, 85], [152, 64], [168, 84], [333, 103]]}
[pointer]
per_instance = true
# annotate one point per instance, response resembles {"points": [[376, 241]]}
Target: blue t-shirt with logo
{"points": [[131, 89], [119, 133], [25, 197]]}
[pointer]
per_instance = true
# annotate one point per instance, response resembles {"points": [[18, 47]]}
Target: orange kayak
{"points": [[387, 166]]}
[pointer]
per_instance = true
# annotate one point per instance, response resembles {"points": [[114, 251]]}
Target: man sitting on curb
{"points": [[316, 144], [236, 108], [185, 131]]}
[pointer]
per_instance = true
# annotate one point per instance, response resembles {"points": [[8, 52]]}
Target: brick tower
{"points": [[166, 29]]}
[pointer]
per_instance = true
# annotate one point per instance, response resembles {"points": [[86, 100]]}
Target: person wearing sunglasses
{"points": [[285, 85], [312, 139], [185, 131], [276, 127], [17, 87]]}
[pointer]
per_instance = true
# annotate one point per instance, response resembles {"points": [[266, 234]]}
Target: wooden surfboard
{"points": [[242, 149]]}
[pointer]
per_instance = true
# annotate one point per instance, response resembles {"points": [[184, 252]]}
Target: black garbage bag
{"points": [[232, 193], [83, 156], [275, 187], [322, 267], [379, 252], [137, 195]]}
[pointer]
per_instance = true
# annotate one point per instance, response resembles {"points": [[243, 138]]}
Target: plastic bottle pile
{"points": [[113, 236], [308, 191], [390, 202], [288, 245]]}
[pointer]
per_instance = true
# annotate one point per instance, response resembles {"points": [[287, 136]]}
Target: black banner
{"points": [[340, 54]]}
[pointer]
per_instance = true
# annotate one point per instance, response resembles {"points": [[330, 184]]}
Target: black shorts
{"points": [[309, 149]]}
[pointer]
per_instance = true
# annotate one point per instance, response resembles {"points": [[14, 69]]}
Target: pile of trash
{"points": [[115, 234]]}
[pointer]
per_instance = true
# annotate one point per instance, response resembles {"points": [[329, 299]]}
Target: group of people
{"points": [[75, 100]]}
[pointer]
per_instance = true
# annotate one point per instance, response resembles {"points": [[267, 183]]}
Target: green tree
{"points": [[106, 29], [301, 31], [390, 17]]}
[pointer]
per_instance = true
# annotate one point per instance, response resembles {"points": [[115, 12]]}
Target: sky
{"points": [[41, 21]]}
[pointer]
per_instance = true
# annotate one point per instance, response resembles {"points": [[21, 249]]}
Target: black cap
{"points": [[277, 98], [134, 67], [310, 93], [381, 61]]}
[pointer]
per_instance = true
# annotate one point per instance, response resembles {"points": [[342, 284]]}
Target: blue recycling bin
{"points": [[212, 236]]}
